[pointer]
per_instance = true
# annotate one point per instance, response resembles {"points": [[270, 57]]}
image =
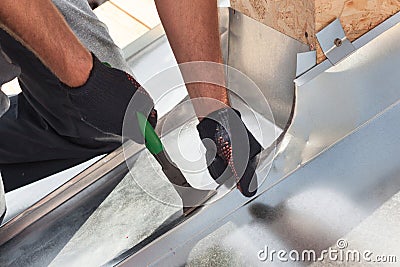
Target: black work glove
{"points": [[103, 101], [231, 149]]}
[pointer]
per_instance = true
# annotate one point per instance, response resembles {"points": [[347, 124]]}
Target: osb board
{"points": [[294, 18], [356, 16], [302, 19], [123, 27]]}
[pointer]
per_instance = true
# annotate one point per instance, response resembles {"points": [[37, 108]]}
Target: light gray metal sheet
{"points": [[341, 99], [334, 42], [335, 166], [305, 61], [267, 57], [315, 206]]}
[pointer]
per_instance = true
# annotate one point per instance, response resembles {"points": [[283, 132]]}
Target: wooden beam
{"points": [[302, 19]]}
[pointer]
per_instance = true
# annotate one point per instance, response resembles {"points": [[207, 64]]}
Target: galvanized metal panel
{"points": [[314, 207], [335, 166], [267, 57]]}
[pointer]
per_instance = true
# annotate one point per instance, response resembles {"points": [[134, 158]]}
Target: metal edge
{"points": [[360, 42]]}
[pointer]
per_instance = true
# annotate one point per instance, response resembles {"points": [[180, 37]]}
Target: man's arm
{"points": [[40, 27], [192, 30]]}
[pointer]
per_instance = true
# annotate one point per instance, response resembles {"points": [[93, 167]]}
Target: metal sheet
{"points": [[335, 166], [334, 42], [51, 233], [314, 207], [305, 61], [267, 57]]}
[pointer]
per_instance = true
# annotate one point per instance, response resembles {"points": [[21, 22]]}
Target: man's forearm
{"points": [[40, 27], [192, 30]]}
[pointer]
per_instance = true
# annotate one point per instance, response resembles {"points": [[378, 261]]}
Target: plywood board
{"points": [[291, 17], [143, 10], [303, 19], [357, 16], [123, 28]]}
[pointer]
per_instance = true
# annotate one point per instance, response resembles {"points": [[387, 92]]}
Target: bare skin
{"points": [[40, 27], [192, 30]]}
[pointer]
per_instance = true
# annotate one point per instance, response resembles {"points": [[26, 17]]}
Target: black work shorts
{"points": [[40, 134]]}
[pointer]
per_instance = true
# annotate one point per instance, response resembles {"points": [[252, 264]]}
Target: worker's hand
{"points": [[231, 149], [103, 100]]}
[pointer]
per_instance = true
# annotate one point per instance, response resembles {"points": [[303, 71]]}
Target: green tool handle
{"points": [[153, 142]]}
